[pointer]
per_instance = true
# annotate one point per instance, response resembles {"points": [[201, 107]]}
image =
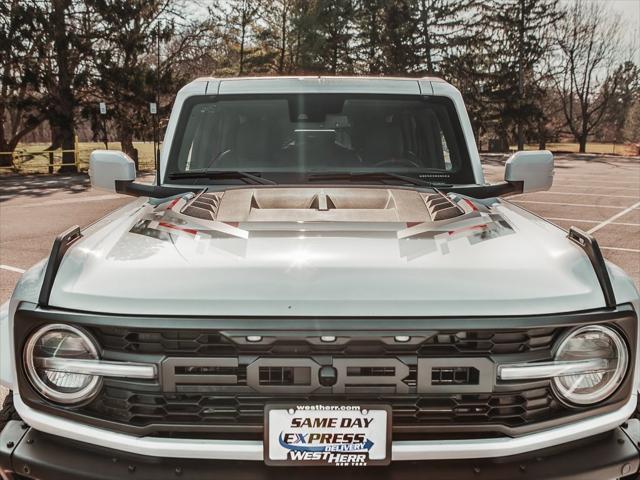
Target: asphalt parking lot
{"points": [[598, 194]]}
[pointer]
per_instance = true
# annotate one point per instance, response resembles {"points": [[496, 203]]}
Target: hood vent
{"points": [[441, 207], [204, 206], [322, 205]]}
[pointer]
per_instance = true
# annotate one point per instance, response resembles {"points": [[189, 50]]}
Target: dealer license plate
{"points": [[327, 434]]}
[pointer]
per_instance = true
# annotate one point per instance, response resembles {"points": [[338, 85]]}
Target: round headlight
{"points": [[592, 343], [44, 356]]}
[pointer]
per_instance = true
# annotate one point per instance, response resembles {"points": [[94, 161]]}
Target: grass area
{"points": [[601, 148], [31, 158]]}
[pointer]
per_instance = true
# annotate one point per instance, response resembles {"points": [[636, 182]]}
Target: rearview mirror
{"points": [[108, 166], [532, 169]]}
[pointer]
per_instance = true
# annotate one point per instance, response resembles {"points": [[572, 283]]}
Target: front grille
{"points": [[455, 376], [508, 409], [271, 376], [208, 343], [439, 380], [235, 406]]}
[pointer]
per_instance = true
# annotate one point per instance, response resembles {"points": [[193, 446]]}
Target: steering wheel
{"points": [[398, 161]]}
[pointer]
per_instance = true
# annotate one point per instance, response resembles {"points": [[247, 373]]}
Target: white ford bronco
{"points": [[320, 282]]}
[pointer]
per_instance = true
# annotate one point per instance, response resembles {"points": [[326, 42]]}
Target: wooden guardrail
{"points": [[28, 159], [49, 159]]}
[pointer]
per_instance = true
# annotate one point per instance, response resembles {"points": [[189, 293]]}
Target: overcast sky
{"points": [[629, 10]]}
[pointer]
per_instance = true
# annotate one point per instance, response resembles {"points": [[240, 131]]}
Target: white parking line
{"points": [[95, 198], [567, 188], [568, 204], [592, 221], [12, 269], [594, 175], [620, 249], [605, 177], [551, 192], [586, 183], [599, 185], [614, 217]]}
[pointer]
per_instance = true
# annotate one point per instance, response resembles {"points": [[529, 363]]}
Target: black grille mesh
{"points": [[206, 343], [142, 409]]}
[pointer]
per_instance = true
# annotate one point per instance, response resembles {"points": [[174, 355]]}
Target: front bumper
{"points": [[30, 454], [252, 450]]}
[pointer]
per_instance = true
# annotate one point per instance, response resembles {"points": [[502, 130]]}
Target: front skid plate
{"points": [[39, 455]]}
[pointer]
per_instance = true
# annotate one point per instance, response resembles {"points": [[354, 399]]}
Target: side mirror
{"points": [[108, 166], [532, 169]]}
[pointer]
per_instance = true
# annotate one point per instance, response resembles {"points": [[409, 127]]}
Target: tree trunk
{"points": [[503, 138], [63, 136], [10, 143], [542, 135], [242, 37], [334, 60], [373, 40], [283, 40], [6, 160], [520, 135], [521, 47], [63, 118], [582, 141], [68, 145], [542, 142], [125, 135], [7, 148], [427, 38]]}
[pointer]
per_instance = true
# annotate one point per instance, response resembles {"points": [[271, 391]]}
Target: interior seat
{"points": [[381, 141]]}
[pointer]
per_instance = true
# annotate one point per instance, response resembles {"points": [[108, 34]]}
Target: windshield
{"points": [[302, 135]]}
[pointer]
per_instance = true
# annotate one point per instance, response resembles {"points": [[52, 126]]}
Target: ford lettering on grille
{"points": [[337, 375]]}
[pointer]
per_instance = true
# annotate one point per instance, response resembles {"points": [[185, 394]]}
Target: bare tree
{"points": [[588, 39]]}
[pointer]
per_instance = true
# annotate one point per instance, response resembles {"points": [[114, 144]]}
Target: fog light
{"points": [[587, 343], [60, 342]]}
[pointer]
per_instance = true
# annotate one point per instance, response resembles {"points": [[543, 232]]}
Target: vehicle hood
{"points": [[492, 258]]}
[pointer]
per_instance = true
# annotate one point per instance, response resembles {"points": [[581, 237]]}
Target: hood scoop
{"points": [[441, 207], [204, 206], [285, 204]]}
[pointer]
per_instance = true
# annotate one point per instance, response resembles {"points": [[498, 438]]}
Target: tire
{"points": [[8, 411]]}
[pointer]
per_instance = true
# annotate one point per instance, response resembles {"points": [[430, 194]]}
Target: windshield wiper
{"points": [[221, 174], [373, 176]]}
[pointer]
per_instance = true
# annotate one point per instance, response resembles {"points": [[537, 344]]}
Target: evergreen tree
{"points": [[67, 34], [125, 63], [521, 36], [22, 105], [368, 37], [399, 51], [443, 27], [325, 34]]}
